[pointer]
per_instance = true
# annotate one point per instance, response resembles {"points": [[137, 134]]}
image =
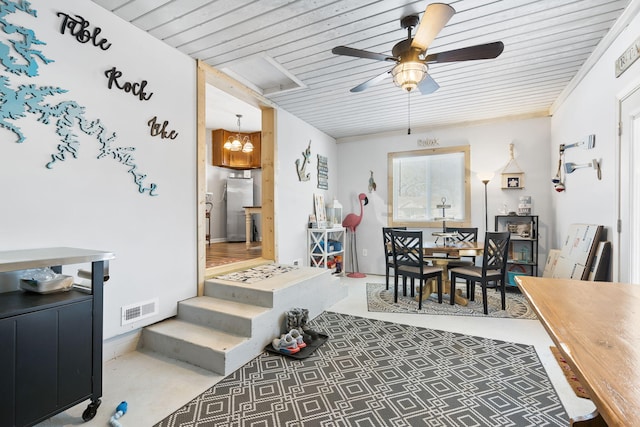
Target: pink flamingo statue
{"points": [[350, 222]]}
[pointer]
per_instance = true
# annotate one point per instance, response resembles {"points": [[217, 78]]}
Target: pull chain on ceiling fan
{"points": [[409, 112], [410, 55]]}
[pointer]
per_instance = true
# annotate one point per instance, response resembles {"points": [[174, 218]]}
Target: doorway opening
{"points": [[628, 183], [234, 255], [233, 179]]}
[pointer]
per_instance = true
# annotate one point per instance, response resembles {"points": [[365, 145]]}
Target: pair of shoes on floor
{"points": [[289, 343], [297, 318]]}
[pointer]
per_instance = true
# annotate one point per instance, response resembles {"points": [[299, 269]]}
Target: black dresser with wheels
{"points": [[51, 344]]}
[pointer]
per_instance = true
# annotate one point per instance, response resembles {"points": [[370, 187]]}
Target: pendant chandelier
{"points": [[238, 142]]}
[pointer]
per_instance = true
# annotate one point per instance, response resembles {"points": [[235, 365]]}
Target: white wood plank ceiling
{"points": [[546, 43]]}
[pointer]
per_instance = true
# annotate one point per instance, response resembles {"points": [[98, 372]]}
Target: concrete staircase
{"points": [[234, 321]]}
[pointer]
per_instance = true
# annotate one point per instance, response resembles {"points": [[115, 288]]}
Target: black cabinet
{"points": [[51, 352]]}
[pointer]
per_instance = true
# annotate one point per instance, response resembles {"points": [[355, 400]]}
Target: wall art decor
{"points": [[512, 175], [160, 129], [323, 172], [428, 142], [78, 28], [136, 89], [301, 166], [18, 56], [628, 57], [372, 183]]}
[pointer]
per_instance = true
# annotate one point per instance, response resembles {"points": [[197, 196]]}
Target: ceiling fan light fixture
{"points": [[408, 75]]}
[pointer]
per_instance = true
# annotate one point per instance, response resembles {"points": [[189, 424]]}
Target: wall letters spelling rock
{"points": [[135, 88], [161, 129], [78, 28]]}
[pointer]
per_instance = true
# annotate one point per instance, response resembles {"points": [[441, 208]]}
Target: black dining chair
{"points": [[465, 234], [494, 269], [409, 263], [388, 250]]}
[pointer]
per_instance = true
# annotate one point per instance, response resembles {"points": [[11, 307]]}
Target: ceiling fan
{"points": [[410, 55]]}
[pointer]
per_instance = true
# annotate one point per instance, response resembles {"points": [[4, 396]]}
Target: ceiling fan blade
{"points": [[370, 82], [435, 17], [481, 51], [349, 51], [428, 85]]}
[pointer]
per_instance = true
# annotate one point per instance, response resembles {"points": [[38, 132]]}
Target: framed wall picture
{"points": [[513, 181]]}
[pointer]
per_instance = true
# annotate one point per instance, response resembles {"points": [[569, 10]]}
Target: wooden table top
{"points": [[596, 326]]}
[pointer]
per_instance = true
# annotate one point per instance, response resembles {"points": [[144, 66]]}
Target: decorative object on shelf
{"points": [[524, 207], [321, 214], [512, 175], [323, 172], [301, 168], [485, 177], [372, 183], [238, 142], [570, 167], [350, 222], [448, 236], [334, 214]]}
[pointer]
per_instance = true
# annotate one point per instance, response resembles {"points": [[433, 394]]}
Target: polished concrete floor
{"points": [[155, 386]]}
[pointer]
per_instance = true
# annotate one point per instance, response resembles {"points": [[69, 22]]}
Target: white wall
{"points": [[294, 198], [592, 109], [94, 203], [489, 144]]}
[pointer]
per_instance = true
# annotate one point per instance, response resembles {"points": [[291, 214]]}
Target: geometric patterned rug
{"points": [[375, 373], [257, 274], [381, 300]]}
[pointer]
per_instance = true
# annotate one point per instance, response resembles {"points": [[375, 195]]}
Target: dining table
{"points": [[441, 255], [595, 327]]}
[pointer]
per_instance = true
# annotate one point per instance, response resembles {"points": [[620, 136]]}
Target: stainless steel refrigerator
{"points": [[239, 195]]}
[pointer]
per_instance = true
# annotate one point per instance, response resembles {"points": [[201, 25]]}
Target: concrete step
{"points": [[265, 292], [201, 346], [224, 315], [234, 321]]}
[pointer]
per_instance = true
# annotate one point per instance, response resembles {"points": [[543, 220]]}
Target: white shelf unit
{"points": [[324, 244]]}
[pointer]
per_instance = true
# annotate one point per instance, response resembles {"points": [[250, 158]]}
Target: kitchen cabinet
{"points": [[235, 159], [51, 353], [523, 244]]}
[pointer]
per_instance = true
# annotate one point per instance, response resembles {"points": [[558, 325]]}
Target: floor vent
{"points": [[142, 310]]}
